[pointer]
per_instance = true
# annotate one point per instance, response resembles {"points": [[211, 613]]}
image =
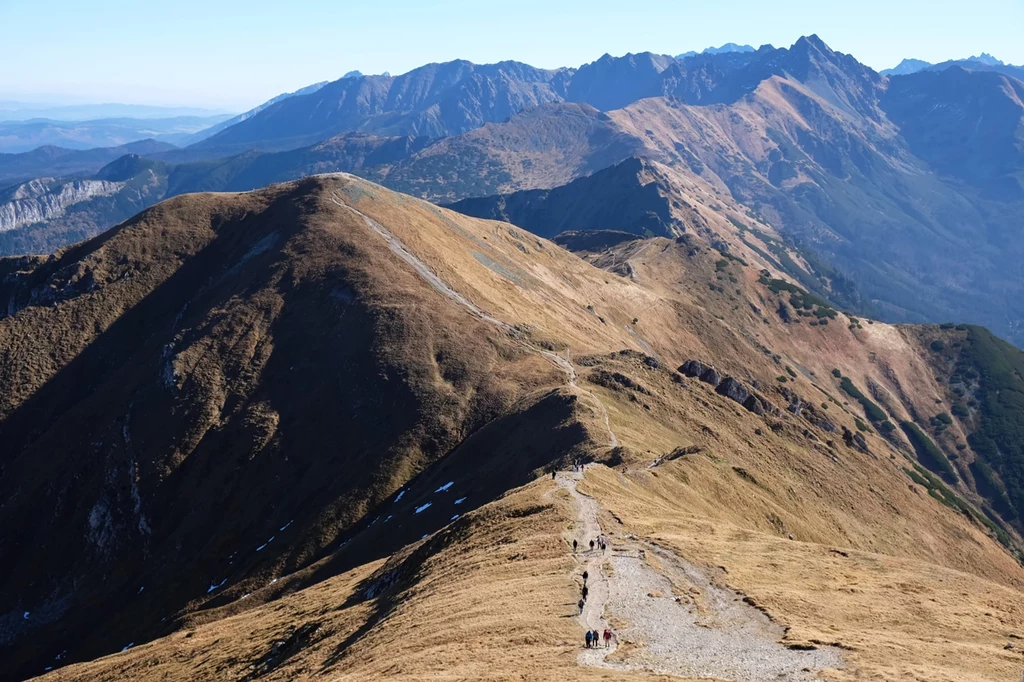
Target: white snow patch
{"points": [[260, 548], [130, 645], [273, 581], [424, 537], [141, 589], [246, 595], [454, 517], [285, 525], [216, 586], [25, 615], [399, 496], [423, 507], [388, 518], [445, 487], [460, 500]]}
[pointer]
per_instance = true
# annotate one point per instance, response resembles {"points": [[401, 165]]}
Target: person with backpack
{"points": [[589, 638], [586, 591], [607, 637], [574, 546], [585, 576], [580, 604], [591, 545]]}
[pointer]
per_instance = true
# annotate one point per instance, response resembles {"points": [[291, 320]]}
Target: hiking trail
{"points": [[672, 618]]}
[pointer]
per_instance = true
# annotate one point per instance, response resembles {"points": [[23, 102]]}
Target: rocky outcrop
{"points": [[730, 387], [755, 404], [693, 368], [734, 390], [44, 199], [711, 376], [854, 440]]}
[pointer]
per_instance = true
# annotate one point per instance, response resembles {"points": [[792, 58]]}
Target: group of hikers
{"points": [[593, 638], [577, 465], [601, 542]]}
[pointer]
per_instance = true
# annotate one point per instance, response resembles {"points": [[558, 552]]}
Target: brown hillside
{"points": [[246, 403]]}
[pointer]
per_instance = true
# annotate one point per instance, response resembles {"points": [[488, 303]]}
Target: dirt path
{"points": [[673, 619]]}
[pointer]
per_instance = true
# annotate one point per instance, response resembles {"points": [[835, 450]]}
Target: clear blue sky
{"points": [[237, 53]]}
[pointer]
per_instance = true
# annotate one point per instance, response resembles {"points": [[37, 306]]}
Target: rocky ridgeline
{"points": [[731, 388], [736, 390]]}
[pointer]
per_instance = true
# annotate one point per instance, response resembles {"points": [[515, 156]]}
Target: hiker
{"points": [[589, 638], [596, 638], [591, 545], [552, 474], [586, 591], [607, 636], [585, 576], [574, 546], [604, 547], [580, 604]]}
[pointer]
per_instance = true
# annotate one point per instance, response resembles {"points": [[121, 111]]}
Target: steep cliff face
{"points": [[44, 199]]}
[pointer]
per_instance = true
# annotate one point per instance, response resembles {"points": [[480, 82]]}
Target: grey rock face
{"points": [[711, 376], [693, 368], [43, 199], [733, 389]]}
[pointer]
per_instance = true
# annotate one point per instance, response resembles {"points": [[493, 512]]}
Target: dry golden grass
{"points": [[492, 599], [896, 618]]}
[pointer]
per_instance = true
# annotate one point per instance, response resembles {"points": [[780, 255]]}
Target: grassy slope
{"points": [[800, 478]]}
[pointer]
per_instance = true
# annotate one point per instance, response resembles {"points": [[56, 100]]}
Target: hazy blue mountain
{"points": [[434, 100], [59, 161], [613, 82], [982, 62], [23, 111], [213, 130], [728, 47], [907, 66], [23, 136]]}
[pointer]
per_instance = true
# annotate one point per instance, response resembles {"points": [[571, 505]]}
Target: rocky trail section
{"points": [[672, 618]]}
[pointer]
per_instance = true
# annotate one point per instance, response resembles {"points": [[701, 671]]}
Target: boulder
{"points": [[733, 389], [711, 376], [693, 368], [754, 404]]}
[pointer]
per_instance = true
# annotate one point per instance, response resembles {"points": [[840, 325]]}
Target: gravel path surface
{"points": [[677, 620]]}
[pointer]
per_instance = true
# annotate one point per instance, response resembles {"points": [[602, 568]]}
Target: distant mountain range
{"points": [[983, 62], [728, 47], [60, 161], [905, 201], [23, 111], [24, 136]]}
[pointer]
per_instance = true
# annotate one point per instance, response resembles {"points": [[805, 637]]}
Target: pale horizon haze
{"points": [[233, 55]]}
